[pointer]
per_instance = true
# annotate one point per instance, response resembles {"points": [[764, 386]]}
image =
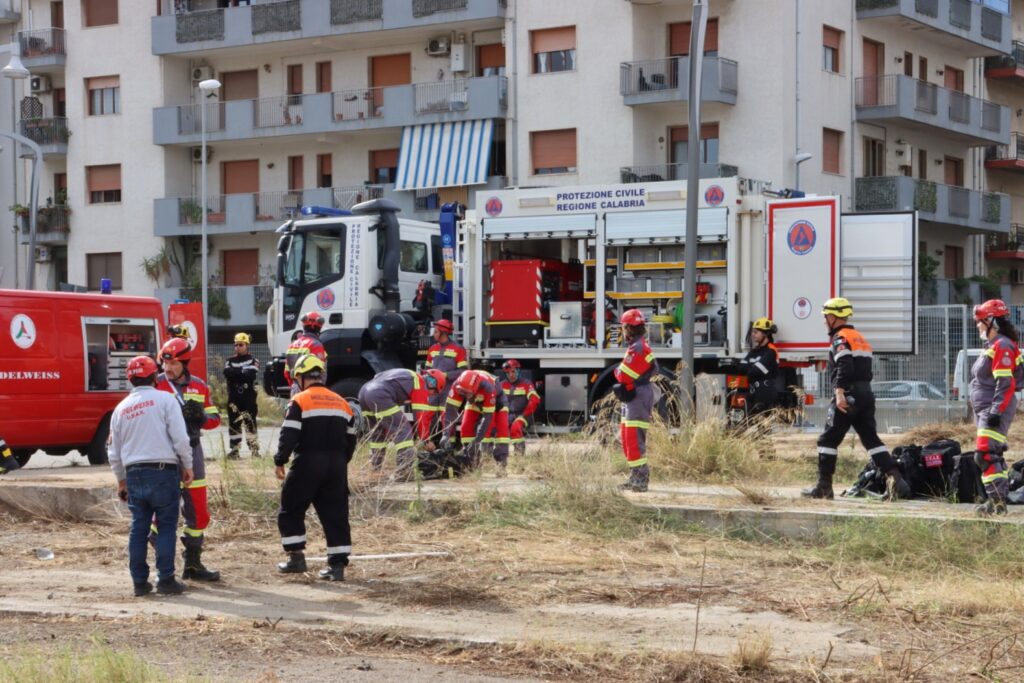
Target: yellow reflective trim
{"points": [[649, 358], [450, 354], [637, 423], [519, 392], [377, 445], [473, 408], [991, 353], [192, 396], [487, 439], [197, 484], [502, 440], [153, 529], [992, 477], [992, 434], [401, 445], [194, 533], [519, 440], [533, 394], [390, 411], [454, 402], [1002, 373], [636, 463], [462, 364], [628, 371], [422, 406], [490, 409], [211, 410]]}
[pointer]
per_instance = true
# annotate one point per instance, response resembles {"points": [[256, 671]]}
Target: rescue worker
{"points": [[151, 458], [193, 396], [761, 365], [307, 341], [480, 393], [8, 463], [242, 373], [450, 358], [852, 405], [320, 431], [523, 400], [994, 380], [381, 400], [634, 390]]}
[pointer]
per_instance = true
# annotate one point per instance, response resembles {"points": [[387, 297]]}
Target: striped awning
{"points": [[445, 154]]}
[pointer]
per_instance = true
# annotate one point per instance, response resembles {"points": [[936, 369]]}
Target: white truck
{"points": [[542, 275]]}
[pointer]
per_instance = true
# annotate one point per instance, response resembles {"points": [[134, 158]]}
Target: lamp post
{"points": [[207, 87]]}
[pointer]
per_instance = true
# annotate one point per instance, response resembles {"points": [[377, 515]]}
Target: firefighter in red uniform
{"points": [[482, 396], [307, 341], [523, 400], [635, 392], [194, 398], [448, 357], [8, 463]]}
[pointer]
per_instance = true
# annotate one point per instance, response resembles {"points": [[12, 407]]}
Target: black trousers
{"points": [[320, 480], [861, 417], [242, 418]]}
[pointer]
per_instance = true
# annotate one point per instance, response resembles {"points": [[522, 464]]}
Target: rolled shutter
{"points": [[553, 39], [103, 178], [553, 148]]}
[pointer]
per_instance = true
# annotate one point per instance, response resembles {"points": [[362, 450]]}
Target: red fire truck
{"points": [[63, 358]]}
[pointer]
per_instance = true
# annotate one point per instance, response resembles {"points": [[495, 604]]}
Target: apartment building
{"points": [[331, 102]]}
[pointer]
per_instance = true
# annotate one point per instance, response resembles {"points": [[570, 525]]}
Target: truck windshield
{"points": [[314, 256]]}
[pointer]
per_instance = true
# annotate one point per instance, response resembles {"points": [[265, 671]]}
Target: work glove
{"points": [[623, 393], [520, 419], [992, 421], [193, 413]]}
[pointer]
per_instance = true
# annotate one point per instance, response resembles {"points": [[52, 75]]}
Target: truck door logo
{"points": [[325, 298], [23, 331], [714, 195], [801, 238], [802, 308], [493, 206]]}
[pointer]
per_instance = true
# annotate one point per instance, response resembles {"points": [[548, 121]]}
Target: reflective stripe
{"points": [[212, 410], [844, 352], [519, 440], [490, 409], [462, 364], [338, 549], [487, 439], [625, 369], [402, 445], [636, 463], [326, 412], [761, 367], [422, 406], [291, 424], [454, 402], [519, 392], [640, 424], [649, 358], [450, 354], [878, 449], [1002, 373], [822, 450], [390, 411], [991, 434], [502, 440], [153, 529], [379, 445], [472, 408], [194, 533], [289, 540], [192, 396], [986, 479]]}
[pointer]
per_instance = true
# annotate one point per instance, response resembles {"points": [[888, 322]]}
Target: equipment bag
{"points": [[870, 482], [443, 464], [965, 481], [935, 464]]}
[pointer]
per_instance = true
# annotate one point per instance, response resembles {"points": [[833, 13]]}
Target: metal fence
{"points": [[218, 353]]}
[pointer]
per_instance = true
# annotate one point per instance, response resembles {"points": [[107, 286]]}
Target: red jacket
{"points": [[449, 357], [637, 365], [195, 390], [522, 397], [303, 344]]}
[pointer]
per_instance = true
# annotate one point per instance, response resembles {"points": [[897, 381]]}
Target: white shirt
{"points": [[147, 426]]}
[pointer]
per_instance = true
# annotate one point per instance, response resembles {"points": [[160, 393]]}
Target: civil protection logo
{"points": [[714, 195], [801, 237], [325, 298], [23, 331], [493, 207]]}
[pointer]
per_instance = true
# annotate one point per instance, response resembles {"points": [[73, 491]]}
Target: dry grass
{"points": [[97, 664], [753, 653]]}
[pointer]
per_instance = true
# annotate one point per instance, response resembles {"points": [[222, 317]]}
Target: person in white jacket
{"points": [[151, 457]]}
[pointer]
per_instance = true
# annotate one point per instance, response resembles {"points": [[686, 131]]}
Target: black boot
{"points": [[234, 453], [296, 563], [194, 568], [639, 478], [170, 586], [823, 490], [9, 464], [896, 487], [333, 572], [142, 589]]}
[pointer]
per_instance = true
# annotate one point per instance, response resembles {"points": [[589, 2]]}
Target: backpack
{"points": [[870, 482], [965, 481], [443, 464], [929, 469]]}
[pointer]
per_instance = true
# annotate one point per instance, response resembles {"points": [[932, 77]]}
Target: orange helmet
{"points": [[141, 367], [467, 383], [633, 317], [993, 308], [176, 349], [312, 321], [444, 326], [435, 380]]}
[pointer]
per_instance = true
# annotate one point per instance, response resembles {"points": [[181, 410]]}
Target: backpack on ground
{"points": [[928, 469], [443, 464], [870, 482], [965, 482]]}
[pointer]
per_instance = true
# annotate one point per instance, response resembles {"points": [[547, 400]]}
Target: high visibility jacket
{"points": [[317, 423], [242, 374], [637, 366], [398, 387], [522, 397], [996, 375], [448, 357], [305, 343], [487, 399], [849, 358], [194, 390]]}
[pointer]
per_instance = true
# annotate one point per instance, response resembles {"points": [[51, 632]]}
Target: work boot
{"points": [[9, 465], [234, 454], [170, 586], [896, 487], [639, 477], [333, 572], [991, 508], [144, 588], [822, 490], [501, 469], [296, 563], [194, 568]]}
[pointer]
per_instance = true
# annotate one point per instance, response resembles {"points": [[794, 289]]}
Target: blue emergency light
{"points": [[324, 211], [106, 286]]}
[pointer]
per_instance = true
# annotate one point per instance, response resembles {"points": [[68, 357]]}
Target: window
{"points": [[554, 49], [59, 103], [295, 83], [679, 135], [240, 267], [831, 40], [922, 164], [954, 262], [314, 256], [436, 255], [103, 183], [99, 266], [413, 257], [60, 188], [922, 68], [831, 145], [954, 171], [295, 180], [553, 151], [874, 157], [679, 38], [908, 64], [324, 170], [383, 166], [490, 60], [323, 77], [104, 95], [99, 12]]}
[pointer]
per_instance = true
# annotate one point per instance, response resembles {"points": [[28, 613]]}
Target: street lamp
{"points": [[207, 87]]}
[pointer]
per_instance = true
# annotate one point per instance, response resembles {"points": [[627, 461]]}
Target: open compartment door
{"points": [[878, 264]]}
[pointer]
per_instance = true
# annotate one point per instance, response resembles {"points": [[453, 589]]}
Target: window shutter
{"points": [[708, 131], [99, 82], [553, 148], [490, 56], [711, 36], [831, 140], [679, 39], [384, 158], [552, 39], [830, 37], [295, 179], [103, 178]]}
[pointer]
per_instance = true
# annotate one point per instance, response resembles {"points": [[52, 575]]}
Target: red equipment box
{"points": [[521, 289]]}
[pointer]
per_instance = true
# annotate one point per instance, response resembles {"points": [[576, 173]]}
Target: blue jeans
{"points": [[152, 493]]}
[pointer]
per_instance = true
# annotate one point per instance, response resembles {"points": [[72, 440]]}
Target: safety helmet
{"points": [[765, 325], [312, 321], [445, 326], [993, 308], [309, 365], [141, 367], [511, 364], [179, 332], [633, 317], [839, 307], [435, 380], [243, 338], [468, 383], [176, 349]]}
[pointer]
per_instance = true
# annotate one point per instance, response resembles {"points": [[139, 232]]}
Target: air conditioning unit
{"points": [[40, 84], [1017, 276], [438, 47], [197, 154], [202, 73], [43, 254], [195, 246]]}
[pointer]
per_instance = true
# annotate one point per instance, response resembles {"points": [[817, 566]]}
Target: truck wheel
{"points": [[22, 456], [348, 389], [97, 448]]}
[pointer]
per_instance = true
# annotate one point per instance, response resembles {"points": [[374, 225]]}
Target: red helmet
{"points": [[511, 364], [444, 326], [467, 383], [313, 321], [141, 367], [176, 349], [633, 317], [435, 380], [993, 308]]}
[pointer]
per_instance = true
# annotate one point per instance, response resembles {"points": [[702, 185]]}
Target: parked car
{"points": [[906, 391]]}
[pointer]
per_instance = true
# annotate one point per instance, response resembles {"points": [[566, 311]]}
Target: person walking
{"points": [[242, 374], [306, 342], [381, 401], [151, 458], [634, 390], [523, 401], [853, 405], [995, 378], [193, 396], [319, 429]]}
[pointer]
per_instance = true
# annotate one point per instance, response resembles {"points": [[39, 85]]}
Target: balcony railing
{"points": [[347, 197], [42, 42], [968, 21], [50, 219], [190, 121], [270, 206], [1010, 242], [269, 112], [442, 96], [671, 73], [422, 8], [354, 11], [362, 103], [201, 25], [1014, 60], [657, 172], [1012, 151], [284, 15], [946, 203], [52, 131]]}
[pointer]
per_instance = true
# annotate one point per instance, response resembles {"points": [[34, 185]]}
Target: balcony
{"points": [[948, 204], [42, 50], [50, 134], [8, 14], [241, 213], [1007, 247], [657, 172], [245, 306], [668, 80], [53, 223], [1006, 157], [964, 25], [208, 28], [905, 101], [1007, 67], [463, 99]]}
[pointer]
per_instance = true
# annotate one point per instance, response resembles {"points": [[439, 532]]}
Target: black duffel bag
{"points": [[929, 469], [965, 482]]}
